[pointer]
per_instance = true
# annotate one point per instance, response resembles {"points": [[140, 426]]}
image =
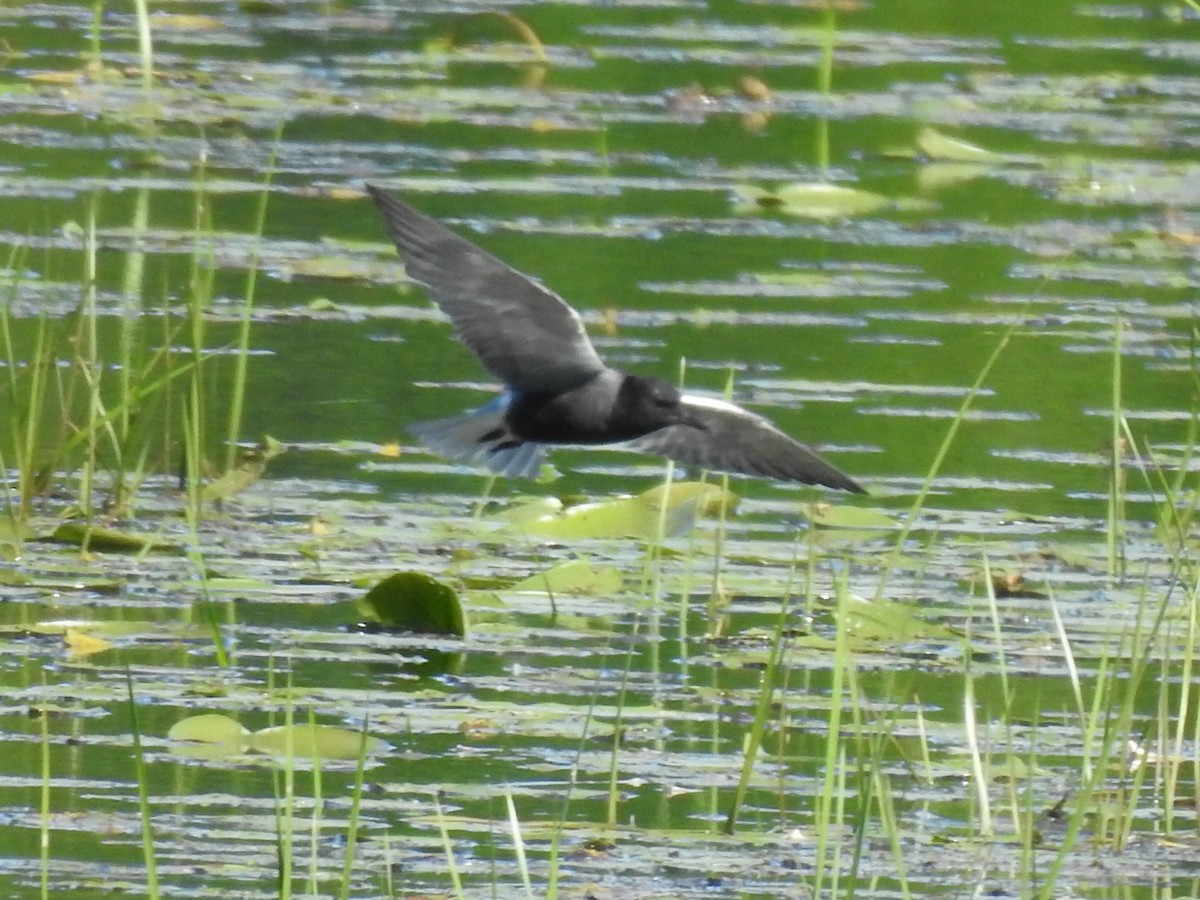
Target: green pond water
{"points": [[1021, 176]]}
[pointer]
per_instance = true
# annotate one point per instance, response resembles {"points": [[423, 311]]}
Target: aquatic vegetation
{"points": [[975, 679], [413, 601]]}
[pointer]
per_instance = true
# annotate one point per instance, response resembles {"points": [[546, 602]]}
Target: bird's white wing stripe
{"points": [[716, 405]]}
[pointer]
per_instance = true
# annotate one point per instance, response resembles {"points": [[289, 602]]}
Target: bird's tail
{"points": [[482, 438]]}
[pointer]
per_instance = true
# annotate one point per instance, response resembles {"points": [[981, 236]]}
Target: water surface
{"points": [[610, 157]]}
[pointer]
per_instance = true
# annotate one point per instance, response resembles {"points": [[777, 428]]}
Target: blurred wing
{"points": [[726, 438], [482, 438], [525, 334]]}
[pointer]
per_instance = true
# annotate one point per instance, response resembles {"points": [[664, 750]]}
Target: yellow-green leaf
{"points": [[575, 577], [814, 200], [635, 517], [107, 540], [209, 728], [935, 145], [829, 516], [889, 621], [306, 741]]}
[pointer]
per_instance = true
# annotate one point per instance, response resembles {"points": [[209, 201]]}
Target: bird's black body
{"points": [[559, 391], [604, 410]]}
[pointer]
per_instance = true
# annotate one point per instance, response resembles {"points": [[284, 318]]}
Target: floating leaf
{"points": [[935, 145], [814, 200], [624, 517], [64, 627], [939, 176], [414, 601], [812, 641], [209, 728], [1066, 555], [636, 517], [184, 22], [107, 540], [1012, 768], [532, 511], [827, 515], [706, 499], [80, 643], [327, 266], [322, 304], [56, 77], [303, 740], [64, 583], [887, 620], [575, 577], [1012, 515], [306, 741]]}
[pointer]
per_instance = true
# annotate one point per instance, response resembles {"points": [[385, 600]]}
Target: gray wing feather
{"points": [[727, 438], [524, 333], [480, 438]]}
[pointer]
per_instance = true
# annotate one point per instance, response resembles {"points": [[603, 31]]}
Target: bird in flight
{"points": [[558, 391]]}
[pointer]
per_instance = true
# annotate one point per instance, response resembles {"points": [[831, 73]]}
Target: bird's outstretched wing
{"points": [[525, 334], [726, 438]]}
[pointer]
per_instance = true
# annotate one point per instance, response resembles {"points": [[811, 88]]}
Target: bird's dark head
{"points": [[644, 405]]}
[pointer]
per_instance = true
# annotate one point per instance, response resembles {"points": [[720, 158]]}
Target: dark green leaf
{"points": [[414, 601]]}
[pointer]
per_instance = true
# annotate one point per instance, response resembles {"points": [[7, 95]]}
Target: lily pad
{"points": [[414, 601], [575, 577], [888, 621], [80, 643], [539, 508], [828, 516], [932, 144], [638, 517], [707, 499], [305, 741], [209, 728], [814, 200], [108, 540], [64, 627]]}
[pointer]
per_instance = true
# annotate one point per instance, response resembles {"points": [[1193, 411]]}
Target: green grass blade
{"points": [[139, 770]]}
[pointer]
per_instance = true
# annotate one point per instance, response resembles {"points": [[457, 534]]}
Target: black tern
{"points": [[558, 391]]}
